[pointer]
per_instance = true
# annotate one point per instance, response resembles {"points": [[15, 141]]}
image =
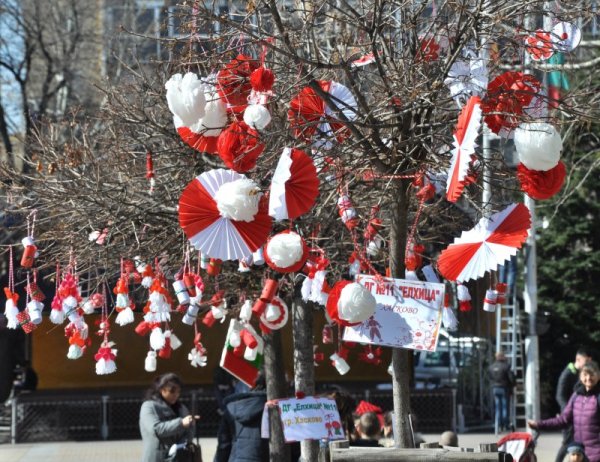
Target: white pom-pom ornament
{"points": [[11, 311], [238, 200], [538, 145], [215, 117], [185, 98], [286, 252], [75, 352], [157, 339], [349, 303], [124, 317], [257, 116], [150, 362]]}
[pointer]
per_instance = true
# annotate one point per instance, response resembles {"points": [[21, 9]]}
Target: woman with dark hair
{"points": [[164, 420]]}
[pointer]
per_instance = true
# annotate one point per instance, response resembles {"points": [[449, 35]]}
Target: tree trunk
{"points": [[276, 388], [400, 357], [8, 148], [304, 369]]}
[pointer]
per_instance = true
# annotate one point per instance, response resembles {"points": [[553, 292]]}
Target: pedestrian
{"points": [[564, 389], [581, 411], [449, 438], [239, 437], [368, 429], [576, 453], [165, 422], [502, 381]]}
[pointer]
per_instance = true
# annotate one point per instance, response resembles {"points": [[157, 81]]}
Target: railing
{"points": [[43, 416]]}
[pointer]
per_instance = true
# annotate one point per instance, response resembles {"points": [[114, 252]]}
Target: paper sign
{"points": [[310, 418], [408, 314]]}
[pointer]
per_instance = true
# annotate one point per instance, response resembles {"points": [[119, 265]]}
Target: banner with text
{"points": [[310, 418], [408, 314]]}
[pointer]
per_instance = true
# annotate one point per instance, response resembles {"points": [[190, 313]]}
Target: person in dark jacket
{"points": [[164, 420], [238, 438], [581, 411], [502, 381], [564, 389]]}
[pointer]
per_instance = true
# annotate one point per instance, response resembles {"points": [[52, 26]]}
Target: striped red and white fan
{"points": [[309, 115], [224, 215], [489, 244], [467, 130], [294, 186]]}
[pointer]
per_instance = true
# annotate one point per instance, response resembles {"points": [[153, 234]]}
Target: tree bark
{"points": [[8, 148], [400, 357], [276, 388], [304, 369]]}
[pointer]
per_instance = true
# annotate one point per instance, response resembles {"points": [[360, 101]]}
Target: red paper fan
{"points": [[197, 141], [539, 45], [309, 113], [233, 82], [489, 244], [507, 96], [239, 147], [539, 184], [208, 231], [467, 130], [294, 186]]}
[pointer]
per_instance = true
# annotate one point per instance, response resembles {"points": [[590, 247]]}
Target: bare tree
{"points": [[397, 130]]}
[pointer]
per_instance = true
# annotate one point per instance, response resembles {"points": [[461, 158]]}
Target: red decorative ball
{"points": [[262, 79], [539, 184], [233, 82], [239, 147]]}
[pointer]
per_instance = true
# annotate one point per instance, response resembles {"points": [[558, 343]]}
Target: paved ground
{"points": [[130, 451]]}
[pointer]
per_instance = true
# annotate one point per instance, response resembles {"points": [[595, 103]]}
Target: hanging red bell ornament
{"points": [[286, 252], [239, 147]]}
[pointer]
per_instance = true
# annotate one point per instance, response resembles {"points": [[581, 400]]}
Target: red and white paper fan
{"points": [[286, 252], [467, 130], [489, 244], [539, 45], [224, 215], [309, 112], [566, 36], [295, 185], [276, 314]]}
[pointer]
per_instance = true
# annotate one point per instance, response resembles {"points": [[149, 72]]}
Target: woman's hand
{"points": [[189, 419], [532, 424]]}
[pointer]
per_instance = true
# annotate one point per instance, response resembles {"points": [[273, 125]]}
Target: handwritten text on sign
{"points": [[408, 314], [310, 418]]}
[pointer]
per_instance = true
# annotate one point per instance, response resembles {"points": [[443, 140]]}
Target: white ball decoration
{"points": [[285, 249], [538, 145], [238, 200], [356, 304], [257, 116]]}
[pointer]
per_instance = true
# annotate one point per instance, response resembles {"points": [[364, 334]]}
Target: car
{"points": [[441, 368]]}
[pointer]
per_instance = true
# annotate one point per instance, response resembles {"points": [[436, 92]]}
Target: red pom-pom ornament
{"points": [[262, 79], [286, 252], [539, 184], [239, 147]]}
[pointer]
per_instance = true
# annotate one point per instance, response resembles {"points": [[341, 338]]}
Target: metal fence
{"points": [[40, 417]]}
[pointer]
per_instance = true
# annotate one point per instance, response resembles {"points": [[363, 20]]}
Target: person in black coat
{"points": [[564, 389], [238, 438]]}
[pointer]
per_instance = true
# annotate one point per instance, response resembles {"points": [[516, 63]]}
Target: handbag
{"points": [[185, 452]]}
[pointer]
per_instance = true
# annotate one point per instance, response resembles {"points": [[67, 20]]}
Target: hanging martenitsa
{"points": [[106, 354]]}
